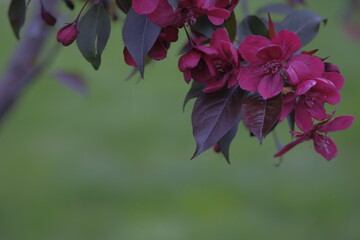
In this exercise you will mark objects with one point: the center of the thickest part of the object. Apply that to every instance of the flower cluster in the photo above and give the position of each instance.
(273, 66)
(261, 78)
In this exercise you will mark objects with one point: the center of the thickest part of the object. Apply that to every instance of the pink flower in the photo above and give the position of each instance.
(322, 143)
(312, 89)
(68, 34)
(161, 12)
(266, 59)
(216, 66)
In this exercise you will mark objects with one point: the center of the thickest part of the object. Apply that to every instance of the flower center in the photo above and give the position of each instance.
(311, 98)
(222, 66)
(188, 17)
(272, 67)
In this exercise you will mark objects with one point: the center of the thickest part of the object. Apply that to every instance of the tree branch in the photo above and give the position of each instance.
(23, 68)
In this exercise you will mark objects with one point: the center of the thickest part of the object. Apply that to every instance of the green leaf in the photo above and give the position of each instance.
(16, 14)
(94, 33)
(230, 26)
(251, 25)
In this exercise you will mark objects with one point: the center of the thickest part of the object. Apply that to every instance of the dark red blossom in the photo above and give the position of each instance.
(216, 65)
(67, 34)
(162, 13)
(312, 88)
(322, 143)
(266, 59)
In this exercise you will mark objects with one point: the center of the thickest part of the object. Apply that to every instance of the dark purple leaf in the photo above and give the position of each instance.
(304, 23)
(195, 90)
(124, 5)
(173, 3)
(204, 27)
(69, 4)
(291, 120)
(251, 25)
(139, 36)
(16, 14)
(94, 33)
(279, 8)
(225, 142)
(214, 114)
(260, 115)
(72, 80)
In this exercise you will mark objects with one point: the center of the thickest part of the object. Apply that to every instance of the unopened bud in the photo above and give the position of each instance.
(216, 148)
(47, 17)
(68, 34)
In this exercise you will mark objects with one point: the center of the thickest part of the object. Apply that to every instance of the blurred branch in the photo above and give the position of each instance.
(24, 68)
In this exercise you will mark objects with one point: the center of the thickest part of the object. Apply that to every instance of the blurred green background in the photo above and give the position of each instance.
(115, 164)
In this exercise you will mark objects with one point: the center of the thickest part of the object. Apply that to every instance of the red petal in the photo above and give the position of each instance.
(144, 6)
(289, 146)
(269, 53)
(302, 117)
(271, 85)
(289, 101)
(305, 86)
(189, 60)
(336, 78)
(250, 76)
(288, 41)
(325, 146)
(251, 45)
(338, 124)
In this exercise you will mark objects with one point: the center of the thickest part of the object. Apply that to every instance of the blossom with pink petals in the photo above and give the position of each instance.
(266, 59)
(162, 13)
(322, 143)
(217, 65)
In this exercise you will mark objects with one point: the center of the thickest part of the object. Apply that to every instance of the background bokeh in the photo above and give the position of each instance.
(115, 164)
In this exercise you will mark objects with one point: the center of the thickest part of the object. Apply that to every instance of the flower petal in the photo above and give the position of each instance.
(250, 76)
(302, 117)
(289, 102)
(325, 146)
(288, 41)
(338, 124)
(269, 53)
(336, 78)
(289, 146)
(251, 45)
(144, 6)
(271, 85)
(303, 87)
(189, 60)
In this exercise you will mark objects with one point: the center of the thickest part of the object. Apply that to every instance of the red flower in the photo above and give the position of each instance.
(322, 143)
(312, 88)
(68, 34)
(216, 66)
(266, 59)
(161, 12)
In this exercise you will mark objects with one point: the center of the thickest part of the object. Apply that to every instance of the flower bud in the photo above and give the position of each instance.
(68, 34)
(216, 148)
(48, 18)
